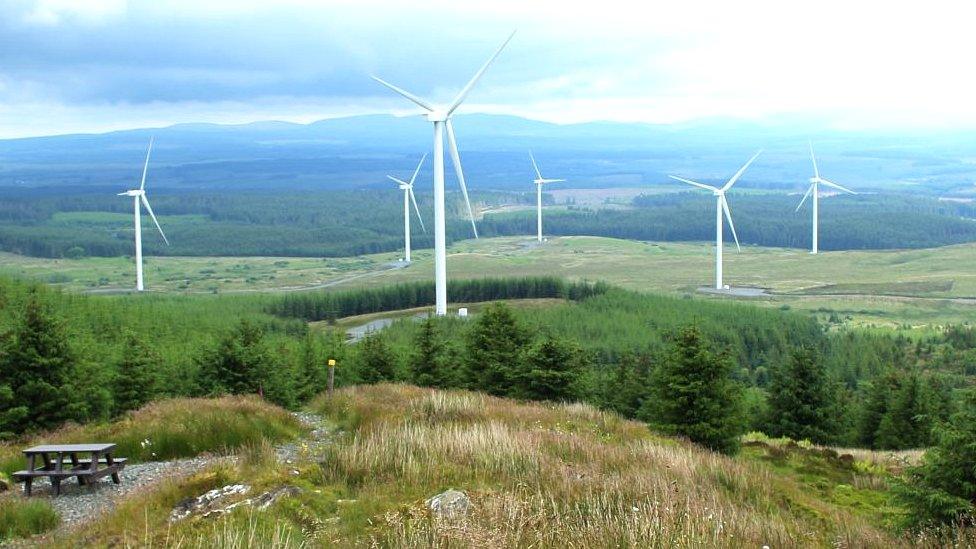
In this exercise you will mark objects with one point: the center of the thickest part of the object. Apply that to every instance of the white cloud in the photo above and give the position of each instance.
(854, 64)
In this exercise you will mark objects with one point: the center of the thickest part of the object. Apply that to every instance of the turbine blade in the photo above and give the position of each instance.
(553, 180)
(456, 160)
(145, 202)
(416, 209)
(415, 172)
(400, 181)
(690, 182)
(836, 186)
(804, 199)
(145, 167)
(741, 171)
(816, 171)
(477, 76)
(534, 165)
(404, 93)
(728, 215)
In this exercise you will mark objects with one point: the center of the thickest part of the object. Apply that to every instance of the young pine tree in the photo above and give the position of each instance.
(942, 490)
(136, 380)
(494, 348)
(630, 384)
(429, 366)
(376, 361)
(906, 423)
(800, 399)
(550, 371)
(313, 369)
(693, 395)
(241, 363)
(36, 370)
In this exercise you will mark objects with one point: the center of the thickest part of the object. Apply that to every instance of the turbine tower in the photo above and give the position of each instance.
(539, 182)
(139, 195)
(408, 197)
(814, 190)
(721, 205)
(440, 117)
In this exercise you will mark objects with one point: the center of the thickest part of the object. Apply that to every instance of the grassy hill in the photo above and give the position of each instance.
(915, 287)
(538, 475)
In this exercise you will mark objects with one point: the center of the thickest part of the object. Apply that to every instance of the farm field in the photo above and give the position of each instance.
(889, 288)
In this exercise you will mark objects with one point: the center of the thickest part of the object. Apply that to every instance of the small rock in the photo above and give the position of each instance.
(206, 501)
(449, 504)
(268, 498)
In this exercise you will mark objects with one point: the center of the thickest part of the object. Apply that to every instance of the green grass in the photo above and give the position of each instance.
(916, 288)
(22, 518)
(174, 428)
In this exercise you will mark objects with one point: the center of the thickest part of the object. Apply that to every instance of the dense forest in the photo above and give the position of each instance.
(846, 222)
(99, 355)
(345, 223)
(306, 224)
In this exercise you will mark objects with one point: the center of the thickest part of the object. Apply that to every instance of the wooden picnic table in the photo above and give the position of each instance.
(48, 460)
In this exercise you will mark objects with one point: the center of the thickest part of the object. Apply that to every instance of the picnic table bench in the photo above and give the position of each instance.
(48, 460)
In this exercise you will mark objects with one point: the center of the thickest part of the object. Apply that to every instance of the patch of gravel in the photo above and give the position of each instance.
(83, 502)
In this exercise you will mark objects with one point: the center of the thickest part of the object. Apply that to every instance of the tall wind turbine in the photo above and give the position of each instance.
(139, 195)
(539, 182)
(441, 118)
(408, 197)
(721, 205)
(814, 190)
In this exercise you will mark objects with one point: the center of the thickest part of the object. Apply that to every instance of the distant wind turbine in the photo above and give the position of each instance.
(441, 118)
(539, 182)
(139, 195)
(408, 197)
(721, 205)
(814, 190)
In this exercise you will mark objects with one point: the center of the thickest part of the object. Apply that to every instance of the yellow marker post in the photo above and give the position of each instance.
(332, 365)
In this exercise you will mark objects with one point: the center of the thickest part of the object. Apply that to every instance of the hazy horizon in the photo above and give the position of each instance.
(103, 65)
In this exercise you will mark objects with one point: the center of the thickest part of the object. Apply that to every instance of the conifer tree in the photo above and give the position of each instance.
(800, 399)
(136, 378)
(428, 365)
(495, 344)
(312, 369)
(375, 360)
(550, 371)
(630, 384)
(905, 423)
(241, 363)
(36, 371)
(942, 490)
(694, 396)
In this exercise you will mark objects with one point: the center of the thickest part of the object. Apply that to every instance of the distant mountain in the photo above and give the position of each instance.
(360, 151)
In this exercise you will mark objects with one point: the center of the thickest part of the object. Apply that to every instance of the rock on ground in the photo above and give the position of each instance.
(449, 504)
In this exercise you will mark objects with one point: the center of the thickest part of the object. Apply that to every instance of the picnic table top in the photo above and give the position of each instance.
(66, 448)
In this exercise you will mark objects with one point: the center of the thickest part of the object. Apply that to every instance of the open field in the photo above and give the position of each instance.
(901, 287)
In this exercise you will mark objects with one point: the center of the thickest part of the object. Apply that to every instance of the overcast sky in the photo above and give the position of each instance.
(97, 65)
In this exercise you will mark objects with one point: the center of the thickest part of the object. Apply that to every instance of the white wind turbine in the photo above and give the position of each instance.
(441, 118)
(814, 190)
(139, 195)
(408, 197)
(721, 205)
(539, 182)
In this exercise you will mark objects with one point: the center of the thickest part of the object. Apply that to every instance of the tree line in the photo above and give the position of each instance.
(329, 306)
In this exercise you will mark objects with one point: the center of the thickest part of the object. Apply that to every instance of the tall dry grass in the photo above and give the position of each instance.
(562, 476)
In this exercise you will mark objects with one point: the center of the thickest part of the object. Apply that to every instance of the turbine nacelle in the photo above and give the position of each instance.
(438, 116)
(134, 192)
(814, 180)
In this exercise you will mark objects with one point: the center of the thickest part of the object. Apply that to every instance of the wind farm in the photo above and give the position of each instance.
(300, 362)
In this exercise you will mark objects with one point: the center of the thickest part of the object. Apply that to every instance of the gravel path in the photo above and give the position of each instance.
(81, 502)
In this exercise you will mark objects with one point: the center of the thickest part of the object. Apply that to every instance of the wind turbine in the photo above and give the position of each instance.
(441, 118)
(814, 190)
(139, 195)
(721, 205)
(408, 196)
(539, 182)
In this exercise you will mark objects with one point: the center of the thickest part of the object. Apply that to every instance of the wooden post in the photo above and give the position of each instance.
(332, 364)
